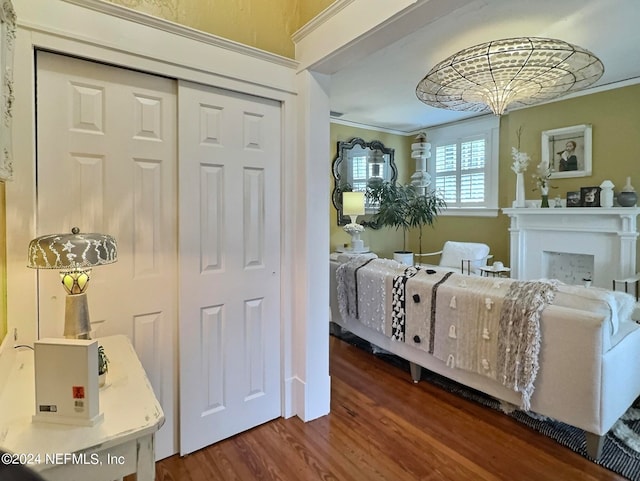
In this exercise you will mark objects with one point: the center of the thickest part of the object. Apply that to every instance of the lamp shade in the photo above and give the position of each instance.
(513, 72)
(72, 251)
(353, 203)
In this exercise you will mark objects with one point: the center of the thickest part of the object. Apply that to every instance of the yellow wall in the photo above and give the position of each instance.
(616, 147)
(311, 8)
(264, 24)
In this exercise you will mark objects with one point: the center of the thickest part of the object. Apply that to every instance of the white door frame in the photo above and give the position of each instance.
(107, 33)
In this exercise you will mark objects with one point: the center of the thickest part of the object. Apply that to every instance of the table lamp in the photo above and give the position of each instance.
(74, 255)
(353, 206)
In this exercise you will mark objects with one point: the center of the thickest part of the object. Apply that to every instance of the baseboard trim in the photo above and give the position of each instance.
(305, 403)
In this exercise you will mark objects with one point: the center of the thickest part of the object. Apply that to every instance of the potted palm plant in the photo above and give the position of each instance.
(423, 210)
(405, 207)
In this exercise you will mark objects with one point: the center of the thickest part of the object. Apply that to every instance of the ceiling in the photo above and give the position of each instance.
(375, 87)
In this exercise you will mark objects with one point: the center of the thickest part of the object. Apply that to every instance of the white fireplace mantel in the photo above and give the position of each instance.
(606, 237)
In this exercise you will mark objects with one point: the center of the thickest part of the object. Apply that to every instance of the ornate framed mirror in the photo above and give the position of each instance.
(7, 39)
(357, 165)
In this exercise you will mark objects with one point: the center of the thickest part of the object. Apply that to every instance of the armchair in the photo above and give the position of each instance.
(462, 256)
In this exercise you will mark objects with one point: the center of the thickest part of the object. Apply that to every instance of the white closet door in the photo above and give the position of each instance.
(229, 224)
(106, 153)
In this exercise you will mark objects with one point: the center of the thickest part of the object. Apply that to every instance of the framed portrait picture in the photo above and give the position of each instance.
(568, 151)
(573, 199)
(590, 196)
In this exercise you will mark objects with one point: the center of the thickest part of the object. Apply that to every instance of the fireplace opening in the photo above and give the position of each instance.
(567, 267)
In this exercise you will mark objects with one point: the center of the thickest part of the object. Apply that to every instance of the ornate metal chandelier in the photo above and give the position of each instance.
(512, 72)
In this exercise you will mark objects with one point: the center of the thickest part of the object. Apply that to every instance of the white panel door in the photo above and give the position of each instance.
(229, 226)
(106, 154)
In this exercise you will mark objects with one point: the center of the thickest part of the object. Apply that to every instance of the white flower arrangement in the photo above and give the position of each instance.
(542, 175)
(520, 160)
(353, 228)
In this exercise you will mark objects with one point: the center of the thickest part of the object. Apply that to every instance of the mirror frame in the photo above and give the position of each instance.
(343, 149)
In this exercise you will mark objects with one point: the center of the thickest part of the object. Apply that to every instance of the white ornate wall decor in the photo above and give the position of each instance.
(571, 243)
(7, 39)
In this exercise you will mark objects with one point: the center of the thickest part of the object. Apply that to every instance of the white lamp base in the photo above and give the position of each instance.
(357, 244)
(76, 317)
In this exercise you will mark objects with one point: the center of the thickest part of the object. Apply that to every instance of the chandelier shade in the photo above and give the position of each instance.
(513, 72)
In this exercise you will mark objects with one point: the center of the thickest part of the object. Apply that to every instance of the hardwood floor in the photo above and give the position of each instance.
(384, 427)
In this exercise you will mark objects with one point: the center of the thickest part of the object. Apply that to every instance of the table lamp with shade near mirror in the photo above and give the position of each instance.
(73, 255)
(353, 206)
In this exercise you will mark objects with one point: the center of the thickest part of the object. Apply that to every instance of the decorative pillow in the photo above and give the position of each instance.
(454, 252)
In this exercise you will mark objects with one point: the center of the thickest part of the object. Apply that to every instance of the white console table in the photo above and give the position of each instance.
(603, 238)
(119, 445)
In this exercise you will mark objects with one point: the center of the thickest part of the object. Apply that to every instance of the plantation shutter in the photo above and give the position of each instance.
(359, 173)
(460, 172)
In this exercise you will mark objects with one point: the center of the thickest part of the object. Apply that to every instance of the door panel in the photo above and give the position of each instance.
(107, 148)
(229, 263)
(107, 162)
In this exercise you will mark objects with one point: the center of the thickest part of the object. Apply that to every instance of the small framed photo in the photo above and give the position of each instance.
(590, 196)
(567, 151)
(573, 199)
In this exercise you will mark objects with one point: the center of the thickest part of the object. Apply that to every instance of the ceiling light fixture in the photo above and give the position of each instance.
(512, 72)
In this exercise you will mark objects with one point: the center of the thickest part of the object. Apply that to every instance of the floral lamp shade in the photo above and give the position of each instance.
(73, 255)
(72, 251)
(353, 205)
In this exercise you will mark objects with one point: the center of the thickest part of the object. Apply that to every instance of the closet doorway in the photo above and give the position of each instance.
(117, 153)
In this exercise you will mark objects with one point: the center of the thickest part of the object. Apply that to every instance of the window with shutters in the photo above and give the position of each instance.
(359, 173)
(464, 166)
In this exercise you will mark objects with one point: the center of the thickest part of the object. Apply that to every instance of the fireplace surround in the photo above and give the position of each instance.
(574, 244)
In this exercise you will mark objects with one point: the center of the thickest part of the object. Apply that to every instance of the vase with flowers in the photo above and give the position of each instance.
(542, 176)
(519, 166)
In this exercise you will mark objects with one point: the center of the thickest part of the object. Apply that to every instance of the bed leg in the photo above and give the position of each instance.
(594, 445)
(416, 371)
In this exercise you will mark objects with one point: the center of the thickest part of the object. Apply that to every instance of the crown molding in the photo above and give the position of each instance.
(145, 19)
(331, 11)
(367, 127)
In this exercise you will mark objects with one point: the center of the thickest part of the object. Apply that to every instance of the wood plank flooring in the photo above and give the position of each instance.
(384, 427)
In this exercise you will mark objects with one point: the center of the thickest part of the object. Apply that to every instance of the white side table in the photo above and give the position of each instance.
(122, 444)
(629, 281)
(490, 270)
(345, 255)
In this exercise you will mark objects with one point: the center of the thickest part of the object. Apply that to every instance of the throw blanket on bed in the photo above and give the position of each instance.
(399, 301)
(519, 341)
(482, 325)
(347, 284)
(362, 287)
